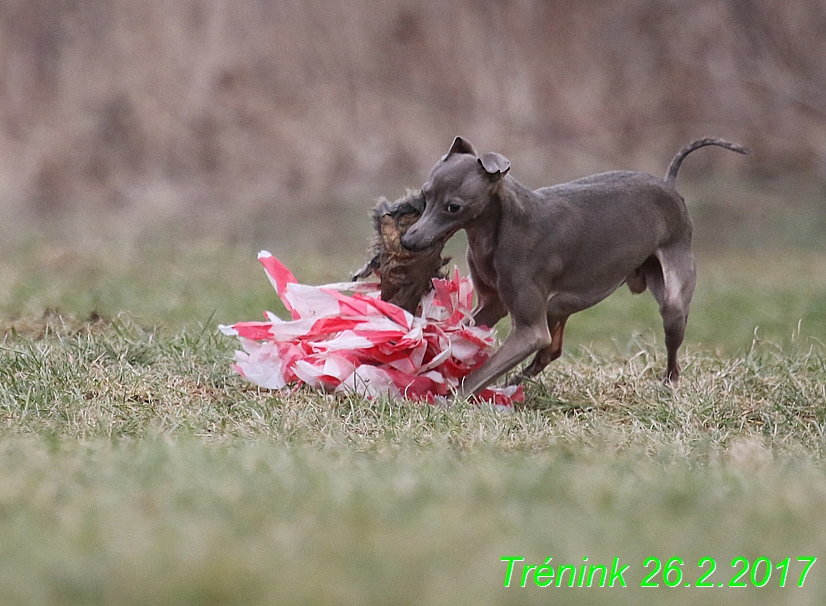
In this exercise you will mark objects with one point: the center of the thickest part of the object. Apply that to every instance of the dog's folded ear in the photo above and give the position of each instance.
(496, 165)
(461, 146)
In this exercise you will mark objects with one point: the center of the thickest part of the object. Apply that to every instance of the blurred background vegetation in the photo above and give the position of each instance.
(242, 119)
(149, 149)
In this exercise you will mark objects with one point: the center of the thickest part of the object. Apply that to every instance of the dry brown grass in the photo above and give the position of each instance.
(150, 109)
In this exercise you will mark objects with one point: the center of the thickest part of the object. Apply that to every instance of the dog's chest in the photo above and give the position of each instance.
(480, 258)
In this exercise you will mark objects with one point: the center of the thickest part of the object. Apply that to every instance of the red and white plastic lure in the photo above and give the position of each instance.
(357, 343)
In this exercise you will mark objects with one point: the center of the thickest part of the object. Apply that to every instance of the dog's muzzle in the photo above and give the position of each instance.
(413, 244)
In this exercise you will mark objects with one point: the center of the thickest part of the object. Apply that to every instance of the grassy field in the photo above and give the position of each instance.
(136, 468)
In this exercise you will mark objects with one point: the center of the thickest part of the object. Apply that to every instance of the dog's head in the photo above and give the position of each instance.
(460, 189)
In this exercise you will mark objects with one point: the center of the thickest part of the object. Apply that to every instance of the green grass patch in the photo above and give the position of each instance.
(136, 467)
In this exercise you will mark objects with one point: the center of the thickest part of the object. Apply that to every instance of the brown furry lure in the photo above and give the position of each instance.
(405, 275)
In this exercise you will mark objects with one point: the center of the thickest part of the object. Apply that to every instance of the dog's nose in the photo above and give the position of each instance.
(413, 241)
(407, 244)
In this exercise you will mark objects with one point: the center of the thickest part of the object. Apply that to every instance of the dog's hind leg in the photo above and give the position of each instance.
(546, 355)
(672, 284)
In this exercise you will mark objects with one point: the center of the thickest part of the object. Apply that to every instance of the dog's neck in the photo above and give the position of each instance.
(514, 196)
(510, 199)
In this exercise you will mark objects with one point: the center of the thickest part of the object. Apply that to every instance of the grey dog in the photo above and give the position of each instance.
(543, 255)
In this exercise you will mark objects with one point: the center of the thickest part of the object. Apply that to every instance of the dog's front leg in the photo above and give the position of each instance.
(489, 312)
(490, 308)
(523, 340)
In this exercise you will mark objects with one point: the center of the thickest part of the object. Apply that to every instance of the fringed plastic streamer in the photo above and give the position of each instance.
(343, 338)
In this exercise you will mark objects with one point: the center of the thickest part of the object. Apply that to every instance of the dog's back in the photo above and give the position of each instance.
(613, 208)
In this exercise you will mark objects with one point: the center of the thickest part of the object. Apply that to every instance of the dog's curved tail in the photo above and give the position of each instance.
(671, 176)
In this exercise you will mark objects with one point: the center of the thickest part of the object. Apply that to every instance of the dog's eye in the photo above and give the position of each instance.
(453, 208)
